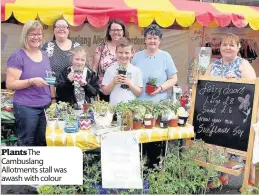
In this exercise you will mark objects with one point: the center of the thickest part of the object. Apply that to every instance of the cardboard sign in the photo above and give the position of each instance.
(120, 159)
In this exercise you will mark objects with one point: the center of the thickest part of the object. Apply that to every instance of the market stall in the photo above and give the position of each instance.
(142, 13)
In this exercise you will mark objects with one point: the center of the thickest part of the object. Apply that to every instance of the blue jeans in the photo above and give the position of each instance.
(30, 125)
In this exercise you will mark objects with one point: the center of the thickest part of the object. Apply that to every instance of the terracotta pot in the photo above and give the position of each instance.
(153, 122)
(150, 88)
(137, 124)
(173, 123)
(148, 123)
(158, 121)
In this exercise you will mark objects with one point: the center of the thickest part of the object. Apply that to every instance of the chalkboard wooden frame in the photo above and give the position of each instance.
(247, 154)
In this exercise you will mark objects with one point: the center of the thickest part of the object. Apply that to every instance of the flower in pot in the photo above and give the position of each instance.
(138, 116)
(103, 113)
(123, 70)
(151, 85)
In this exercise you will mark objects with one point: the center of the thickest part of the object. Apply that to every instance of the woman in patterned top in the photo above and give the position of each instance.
(231, 66)
(105, 52)
(59, 49)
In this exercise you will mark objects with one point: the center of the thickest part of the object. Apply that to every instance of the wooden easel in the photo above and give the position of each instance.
(246, 154)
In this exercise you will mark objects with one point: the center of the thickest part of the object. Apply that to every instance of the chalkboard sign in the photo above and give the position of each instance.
(222, 113)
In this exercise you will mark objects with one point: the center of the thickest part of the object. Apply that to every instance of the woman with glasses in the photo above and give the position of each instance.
(59, 49)
(26, 69)
(105, 52)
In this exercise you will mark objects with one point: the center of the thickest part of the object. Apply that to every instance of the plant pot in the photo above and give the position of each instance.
(86, 106)
(52, 124)
(77, 76)
(105, 120)
(158, 121)
(173, 122)
(123, 72)
(137, 124)
(85, 124)
(164, 124)
(61, 124)
(182, 121)
(148, 123)
(150, 88)
(153, 122)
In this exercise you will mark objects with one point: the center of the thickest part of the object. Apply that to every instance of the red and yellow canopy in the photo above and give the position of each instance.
(141, 12)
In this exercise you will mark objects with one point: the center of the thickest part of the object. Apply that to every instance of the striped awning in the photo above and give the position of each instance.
(141, 12)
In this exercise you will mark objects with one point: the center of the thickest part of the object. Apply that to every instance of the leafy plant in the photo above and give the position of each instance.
(51, 112)
(152, 81)
(101, 107)
(180, 174)
(149, 105)
(122, 68)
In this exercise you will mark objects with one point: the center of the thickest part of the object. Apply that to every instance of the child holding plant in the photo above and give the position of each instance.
(122, 81)
(77, 83)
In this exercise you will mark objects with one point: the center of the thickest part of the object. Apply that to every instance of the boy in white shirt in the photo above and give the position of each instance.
(114, 83)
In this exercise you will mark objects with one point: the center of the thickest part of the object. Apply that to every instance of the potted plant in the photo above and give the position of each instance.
(182, 116)
(124, 115)
(71, 124)
(138, 116)
(51, 114)
(149, 120)
(151, 85)
(103, 113)
(62, 112)
(123, 70)
(174, 105)
(84, 121)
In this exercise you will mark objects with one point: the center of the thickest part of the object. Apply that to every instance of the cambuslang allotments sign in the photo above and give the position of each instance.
(222, 113)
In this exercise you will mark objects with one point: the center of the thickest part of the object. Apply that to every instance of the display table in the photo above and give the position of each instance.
(86, 140)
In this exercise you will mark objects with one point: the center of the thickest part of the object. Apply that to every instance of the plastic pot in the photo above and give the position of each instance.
(150, 88)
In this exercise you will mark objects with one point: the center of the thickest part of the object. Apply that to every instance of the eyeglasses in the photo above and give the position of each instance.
(116, 30)
(34, 35)
(61, 27)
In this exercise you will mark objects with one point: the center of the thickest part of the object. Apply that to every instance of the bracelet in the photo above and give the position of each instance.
(53, 98)
(29, 82)
(161, 89)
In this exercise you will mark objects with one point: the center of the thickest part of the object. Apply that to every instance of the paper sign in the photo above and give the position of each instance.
(120, 161)
(204, 60)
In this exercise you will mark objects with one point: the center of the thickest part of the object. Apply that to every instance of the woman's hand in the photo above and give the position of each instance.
(158, 90)
(38, 82)
(70, 76)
